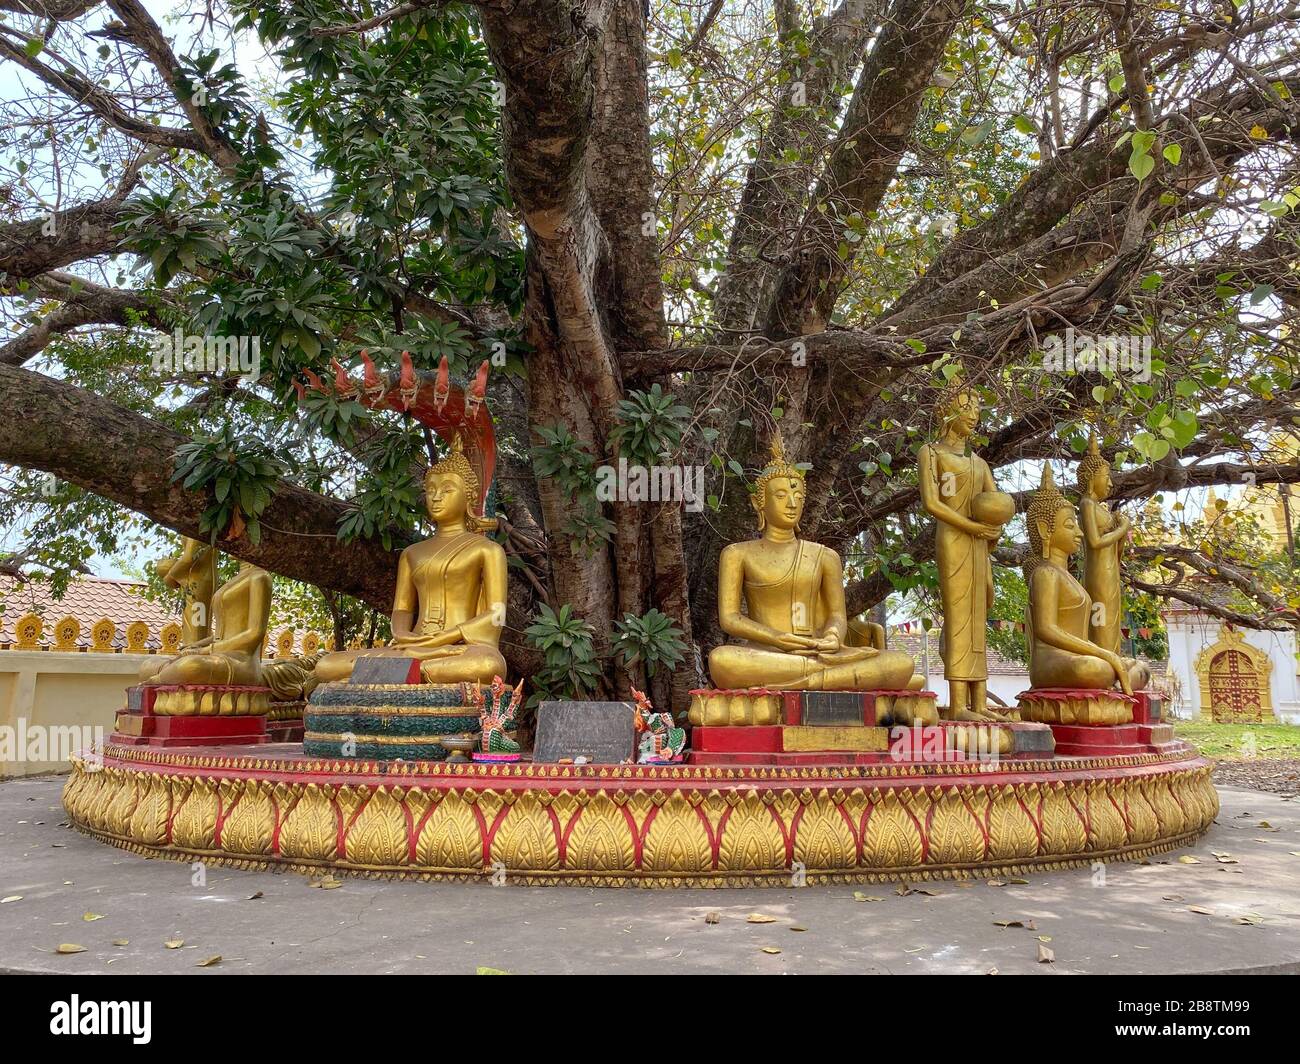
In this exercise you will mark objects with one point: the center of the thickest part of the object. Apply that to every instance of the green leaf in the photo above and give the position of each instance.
(1141, 165)
(1173, 154)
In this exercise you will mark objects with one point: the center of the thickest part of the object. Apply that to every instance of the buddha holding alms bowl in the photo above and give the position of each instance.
(449, 605)
(1065, 665)
(958, 491)
(794, 622)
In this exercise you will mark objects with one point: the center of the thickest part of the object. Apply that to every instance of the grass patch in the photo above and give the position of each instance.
(1232, 742)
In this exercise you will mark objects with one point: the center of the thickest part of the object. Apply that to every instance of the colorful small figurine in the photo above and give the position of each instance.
(497, 717)
(661, 743)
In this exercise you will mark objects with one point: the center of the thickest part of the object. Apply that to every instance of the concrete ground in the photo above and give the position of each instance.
(1237, 911)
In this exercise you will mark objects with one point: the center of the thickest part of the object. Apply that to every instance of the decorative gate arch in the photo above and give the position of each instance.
(1234, 678)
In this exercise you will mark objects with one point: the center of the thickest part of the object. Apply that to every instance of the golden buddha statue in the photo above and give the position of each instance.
(195, 571)
(958, 491)
(1104, 535)
(1061, 654)
(794, 626)
(449, 605)
(231, 655)
(864, 633)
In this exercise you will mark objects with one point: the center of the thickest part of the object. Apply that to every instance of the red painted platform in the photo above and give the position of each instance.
(149, 729)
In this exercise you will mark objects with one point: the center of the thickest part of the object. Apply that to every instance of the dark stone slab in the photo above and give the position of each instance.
(831, 709)
(602, 732)
(1028, 738)
(139, 699)
(376, 669)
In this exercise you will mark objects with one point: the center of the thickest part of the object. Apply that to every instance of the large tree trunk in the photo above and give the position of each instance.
(104, 448)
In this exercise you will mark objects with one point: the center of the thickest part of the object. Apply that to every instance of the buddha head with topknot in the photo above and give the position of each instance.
(1093, 474)
(958, 408)
(1052, 520)
(452, 491)
(779, 491)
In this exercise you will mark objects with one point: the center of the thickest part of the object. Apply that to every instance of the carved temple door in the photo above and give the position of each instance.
(1235, 688)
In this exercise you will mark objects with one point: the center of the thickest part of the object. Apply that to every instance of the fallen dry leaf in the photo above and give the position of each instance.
(70, 947)
(214, 959)
(859, 896)
(254, 897)
(121, 941)
(1045, 955)
(1044, 938)
(770, 949)
(1018, 882)
(1200, 909)
(1253, 919)
(174, 943)
(711, 918)
(90, 918)
(12, 897)
(760, 918)
(1171, 897)
(326, 882)
(991, 971)
(1008, 923)
(1189, 859)
(797, 928)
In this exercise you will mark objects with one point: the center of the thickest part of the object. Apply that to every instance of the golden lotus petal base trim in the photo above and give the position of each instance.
(199, 701)
(1052, 706)
(639, 825)
(718, 708)
(285, 710)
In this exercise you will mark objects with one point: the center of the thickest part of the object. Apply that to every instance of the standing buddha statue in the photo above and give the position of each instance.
(1104, 535)
(958, 491)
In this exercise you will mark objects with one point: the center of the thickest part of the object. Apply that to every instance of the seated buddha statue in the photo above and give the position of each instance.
(864, 633)
(449, 604)
(231, 655)
(794, 625)
(1061, 654)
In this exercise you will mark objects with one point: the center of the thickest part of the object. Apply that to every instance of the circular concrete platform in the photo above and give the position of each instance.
(637, 825)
